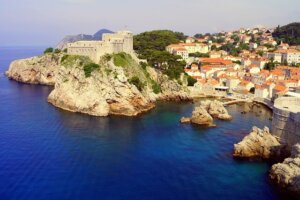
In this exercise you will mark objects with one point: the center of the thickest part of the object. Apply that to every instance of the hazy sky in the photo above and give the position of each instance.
(41, 22)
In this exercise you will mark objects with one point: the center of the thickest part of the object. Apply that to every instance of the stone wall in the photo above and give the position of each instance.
(286, 120)
(121, 41)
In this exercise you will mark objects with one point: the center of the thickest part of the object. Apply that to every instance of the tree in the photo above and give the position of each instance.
(198, 35)
(48, 50)
(270, 65)
(191, 81)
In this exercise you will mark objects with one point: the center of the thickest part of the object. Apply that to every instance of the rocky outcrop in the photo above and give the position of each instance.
(202, 117)
(107, 91)
(206, 111)
(216, 109)
(185, 120)
(258, 144)
(287, 174)
(35, 70)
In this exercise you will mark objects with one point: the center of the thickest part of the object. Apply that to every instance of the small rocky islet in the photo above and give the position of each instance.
(108, 89)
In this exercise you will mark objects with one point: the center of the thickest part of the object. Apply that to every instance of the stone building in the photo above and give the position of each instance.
(121, 41)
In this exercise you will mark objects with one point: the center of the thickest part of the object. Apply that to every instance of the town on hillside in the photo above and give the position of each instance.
(247, 63)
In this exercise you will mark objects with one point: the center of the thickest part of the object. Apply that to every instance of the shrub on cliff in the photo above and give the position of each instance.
(156, 87)
(137, 82)
(48, 50)
(89, 68)
(121, 59)
(191, 81)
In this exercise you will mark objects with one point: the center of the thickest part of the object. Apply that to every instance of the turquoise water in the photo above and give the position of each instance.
(47, 153)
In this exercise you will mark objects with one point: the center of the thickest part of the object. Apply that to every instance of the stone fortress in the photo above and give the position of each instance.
(121, 41)
(286, 120)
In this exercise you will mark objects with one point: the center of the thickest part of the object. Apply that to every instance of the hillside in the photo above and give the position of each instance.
(288, 34)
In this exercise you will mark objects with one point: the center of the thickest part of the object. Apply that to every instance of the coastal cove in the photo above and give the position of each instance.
(54, 154)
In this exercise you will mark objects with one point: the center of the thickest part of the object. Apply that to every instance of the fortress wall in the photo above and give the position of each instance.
(286, 122)
(121, 41)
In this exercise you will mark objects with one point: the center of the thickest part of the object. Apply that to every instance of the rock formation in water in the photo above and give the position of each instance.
(202, 117)
(206, 111)
(99, 90)
(216, 109)
(258, 144)
(287, 174)
(35, 70)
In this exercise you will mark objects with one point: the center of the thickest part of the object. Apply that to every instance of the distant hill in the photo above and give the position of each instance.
(288, 34)
(73, 38)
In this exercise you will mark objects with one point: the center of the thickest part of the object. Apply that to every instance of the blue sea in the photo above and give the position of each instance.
(47, 153)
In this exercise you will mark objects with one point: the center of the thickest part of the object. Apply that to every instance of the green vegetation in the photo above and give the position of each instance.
(198, 54)
(151, 46)
(137, 82)
(233, 49)
(156, 87)
(121, 59)
(48, 50)
(191, 81)
(270, 65)
(81, 61)
(288, 34)
(57, 51)
(89, 68)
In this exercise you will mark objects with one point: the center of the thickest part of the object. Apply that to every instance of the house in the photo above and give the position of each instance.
(181, 52)
(232, 83)
(261, 91)
(190, 40)
(253, 45)
(279, 90)
(291, 56)
(244, 86)
(253, 69)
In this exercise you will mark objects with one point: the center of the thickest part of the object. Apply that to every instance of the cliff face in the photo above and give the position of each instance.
(35, 70)
(287, 174)
(106, 91)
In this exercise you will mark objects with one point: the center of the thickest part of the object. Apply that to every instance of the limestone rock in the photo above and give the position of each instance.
(98, 95)
(258, 144)
(185, 120)
(216, 109)
(202, 117)
(171, 90)
(287, 174)
(35, 70)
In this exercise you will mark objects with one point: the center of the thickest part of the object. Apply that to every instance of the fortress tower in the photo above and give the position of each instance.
(121, 41)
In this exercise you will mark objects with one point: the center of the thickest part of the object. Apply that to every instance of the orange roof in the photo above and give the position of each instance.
(216, 60)
(280, 88)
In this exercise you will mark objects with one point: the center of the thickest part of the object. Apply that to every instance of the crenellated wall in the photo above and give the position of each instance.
(122, 41)
(286, 120)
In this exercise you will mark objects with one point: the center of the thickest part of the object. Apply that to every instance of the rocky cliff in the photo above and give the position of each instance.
(287, 174)
(258, 144)
(106, 90)
(35, 70)
(117, 85)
